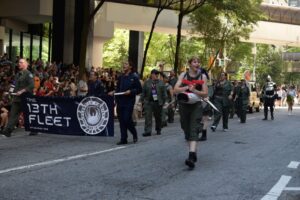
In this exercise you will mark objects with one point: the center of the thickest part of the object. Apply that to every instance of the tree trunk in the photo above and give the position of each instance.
(178, 40)
(88, 17)
(149, 40)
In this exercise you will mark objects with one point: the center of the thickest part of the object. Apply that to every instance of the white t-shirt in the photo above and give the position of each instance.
(82, 85)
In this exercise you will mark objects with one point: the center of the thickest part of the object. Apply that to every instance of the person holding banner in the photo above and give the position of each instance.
(191, 112)
(24, 84)
(128, 86)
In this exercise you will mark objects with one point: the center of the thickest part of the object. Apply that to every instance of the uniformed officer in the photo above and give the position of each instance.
(23, 84)
(243, 100)
(153, 96)
(129, 85)
(222, 97)
(269, 91)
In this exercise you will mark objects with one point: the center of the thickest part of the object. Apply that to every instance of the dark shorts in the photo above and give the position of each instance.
(206, 110)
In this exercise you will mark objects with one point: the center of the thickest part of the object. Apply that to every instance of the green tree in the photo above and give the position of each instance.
(161, 5)
(116, 49)
(184, 8)
(221, 24)
(269, 62)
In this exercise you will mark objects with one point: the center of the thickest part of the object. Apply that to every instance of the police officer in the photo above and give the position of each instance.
(128, 84)
(153, 96)
(269, 91)
(23, 84)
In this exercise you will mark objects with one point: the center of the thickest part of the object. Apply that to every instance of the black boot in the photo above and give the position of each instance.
(191, 160)
(266, 115)
(203, 137)
(272, 116)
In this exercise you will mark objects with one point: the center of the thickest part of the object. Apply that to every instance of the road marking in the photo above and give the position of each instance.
(293, 164)
(277, 189)
(51, 162)
(292, 188)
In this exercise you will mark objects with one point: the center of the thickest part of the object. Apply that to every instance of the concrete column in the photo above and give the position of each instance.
(68, 31)
(58, 30)
(103, 31)
(2, 37)
(140, 51)
(136, 46)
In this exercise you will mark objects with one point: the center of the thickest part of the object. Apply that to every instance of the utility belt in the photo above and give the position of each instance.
(269, 96)
(218, 97)
(152, 100)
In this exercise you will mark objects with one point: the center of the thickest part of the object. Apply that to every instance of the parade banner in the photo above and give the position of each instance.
(69, 115)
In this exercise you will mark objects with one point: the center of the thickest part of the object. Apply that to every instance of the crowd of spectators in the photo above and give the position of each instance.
(54, 79)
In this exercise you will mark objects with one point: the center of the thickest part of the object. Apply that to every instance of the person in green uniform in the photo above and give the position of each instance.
(23, 84)
(243, 100)
(168, 111)
(153, 97)
(221, 98)
(191, 113)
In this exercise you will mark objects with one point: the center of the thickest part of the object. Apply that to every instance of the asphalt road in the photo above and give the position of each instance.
(256, 160)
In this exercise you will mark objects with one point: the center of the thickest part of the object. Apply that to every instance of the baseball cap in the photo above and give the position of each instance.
(154, 71)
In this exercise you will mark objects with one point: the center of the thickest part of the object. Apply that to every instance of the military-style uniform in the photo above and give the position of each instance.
(191, 114)
(168, 111)
(153, 96)
(23, 80)
(243, 101)
(125, 104)
(222, 102)
(269, 98)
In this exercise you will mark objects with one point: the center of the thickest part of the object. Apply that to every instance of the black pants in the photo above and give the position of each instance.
(268, 102)
(126, 123)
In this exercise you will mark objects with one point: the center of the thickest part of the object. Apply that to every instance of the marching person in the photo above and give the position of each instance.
(23, 84)
(168, 112)
(291, 95)
(206, 109)
(269, 97)
(129, 84)
(243, 100)
(191, 114)
(172, 108)
(153, 97)
(222, 97)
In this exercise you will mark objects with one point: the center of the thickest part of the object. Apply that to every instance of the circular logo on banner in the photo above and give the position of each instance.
(93, 115)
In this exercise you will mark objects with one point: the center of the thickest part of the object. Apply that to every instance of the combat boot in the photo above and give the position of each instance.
(272, 116)
(190, 162)
(203, 137)
(266, 116)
